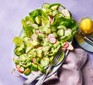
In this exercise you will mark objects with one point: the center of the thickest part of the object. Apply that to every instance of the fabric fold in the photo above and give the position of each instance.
(73, 71)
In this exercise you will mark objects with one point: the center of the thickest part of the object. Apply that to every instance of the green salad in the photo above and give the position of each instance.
(45, 31)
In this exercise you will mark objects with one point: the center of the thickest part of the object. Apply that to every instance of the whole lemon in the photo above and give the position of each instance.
(86, 25)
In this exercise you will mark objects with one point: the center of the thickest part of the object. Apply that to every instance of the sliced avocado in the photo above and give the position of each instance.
(27, 71)
(19, 50)
(34, 67)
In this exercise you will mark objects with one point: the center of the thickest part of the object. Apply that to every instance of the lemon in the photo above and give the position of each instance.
(86, 26)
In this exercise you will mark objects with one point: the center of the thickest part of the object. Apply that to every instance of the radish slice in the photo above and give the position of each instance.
(52, 40)
(70, 47)
(51, 36)
(66, 44)
(20, 69)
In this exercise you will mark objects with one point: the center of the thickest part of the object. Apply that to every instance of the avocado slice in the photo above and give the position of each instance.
(27, 71)
(34, 67)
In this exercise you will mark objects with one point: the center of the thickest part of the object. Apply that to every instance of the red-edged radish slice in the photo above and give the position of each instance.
(20, 69)
(70, 47)
(52, 40)
(66, 44)
(51, 36)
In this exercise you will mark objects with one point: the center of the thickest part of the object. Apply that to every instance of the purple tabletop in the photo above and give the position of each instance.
(11, 13)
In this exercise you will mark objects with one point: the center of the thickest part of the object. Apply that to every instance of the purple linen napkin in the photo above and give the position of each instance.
(76, 70)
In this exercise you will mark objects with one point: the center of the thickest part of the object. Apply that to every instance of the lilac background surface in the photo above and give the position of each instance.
(11, 13)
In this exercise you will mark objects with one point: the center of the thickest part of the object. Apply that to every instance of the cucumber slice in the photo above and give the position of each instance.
(34, 67)
(60, 8)
(68, 32)
(61, 32)
(27, 71)
(64, 11)
(54, 6)
(66, 38)
(45, 5)
(44, 61)
(23, 57)
(61, 27)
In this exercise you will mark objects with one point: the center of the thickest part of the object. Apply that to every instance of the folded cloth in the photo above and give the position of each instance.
(76, 70)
